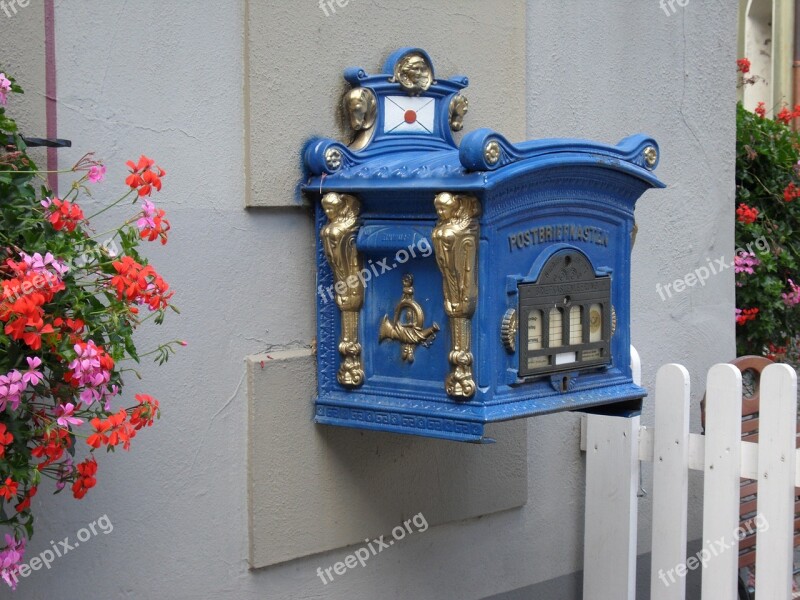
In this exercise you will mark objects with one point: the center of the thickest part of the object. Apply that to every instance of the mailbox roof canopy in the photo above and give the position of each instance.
(403, 119)
(466, 169)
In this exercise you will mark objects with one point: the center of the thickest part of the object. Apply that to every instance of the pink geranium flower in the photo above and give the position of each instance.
(96, 173)
(10, 558)
(33, 376)
(65, 470)
(148, 212)
(40, 264)
(5, 87)
(745, 262)
(793, 297)
(11, 388)
(87, 371)
(65, 415)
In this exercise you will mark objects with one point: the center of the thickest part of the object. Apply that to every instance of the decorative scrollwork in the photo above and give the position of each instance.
(492, 152)
(650, 155)
(333, 158)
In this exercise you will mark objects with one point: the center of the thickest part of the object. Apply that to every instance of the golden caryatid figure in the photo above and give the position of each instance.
(455, 240)
(339, 243)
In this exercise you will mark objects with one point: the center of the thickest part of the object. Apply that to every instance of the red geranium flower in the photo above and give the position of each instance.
(745, 315)
(24, 320)
(67, 215)
(112, 431)
(5, 439)
(791, 192)
(785, 116)
(140, 284)
(8, 489)
(776, 352)
(26, 501)
(155, 227)
(98, 438)
(743, 65)
(52, 445)
(21, 302)
(143, 415)
(746, 214)
(145, 175)
(86, 478)
(761, 110)
(121, 431)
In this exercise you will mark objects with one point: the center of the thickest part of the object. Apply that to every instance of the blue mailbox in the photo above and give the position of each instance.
(462, 285)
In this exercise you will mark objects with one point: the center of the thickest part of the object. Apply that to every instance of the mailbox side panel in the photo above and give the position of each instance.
(525, 222)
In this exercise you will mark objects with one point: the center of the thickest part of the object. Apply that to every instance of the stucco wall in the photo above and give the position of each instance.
(26, 63)
(166, 79)
(635, 68)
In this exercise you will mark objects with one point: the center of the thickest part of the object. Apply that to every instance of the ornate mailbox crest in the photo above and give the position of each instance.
(520, 251)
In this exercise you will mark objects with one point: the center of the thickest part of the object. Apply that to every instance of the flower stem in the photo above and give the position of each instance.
(101, 211)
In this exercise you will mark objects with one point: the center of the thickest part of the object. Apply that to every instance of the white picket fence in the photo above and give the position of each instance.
(614, 448)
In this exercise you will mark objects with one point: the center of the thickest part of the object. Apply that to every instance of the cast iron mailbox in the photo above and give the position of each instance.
(461, 285)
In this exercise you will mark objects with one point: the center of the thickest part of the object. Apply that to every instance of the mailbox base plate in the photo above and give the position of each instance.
(459, 422)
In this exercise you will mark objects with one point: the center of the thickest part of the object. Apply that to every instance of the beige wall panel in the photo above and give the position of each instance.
(314, 488)
(295, 55)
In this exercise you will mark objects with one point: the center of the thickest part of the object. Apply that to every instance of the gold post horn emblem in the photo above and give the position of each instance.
(410, 333)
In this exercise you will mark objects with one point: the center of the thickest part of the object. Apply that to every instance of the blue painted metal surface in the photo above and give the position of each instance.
(540, 198)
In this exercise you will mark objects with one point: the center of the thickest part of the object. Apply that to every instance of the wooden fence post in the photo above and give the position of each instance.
(670, 483)
(612, 479)
(720, 552)
(776, 482)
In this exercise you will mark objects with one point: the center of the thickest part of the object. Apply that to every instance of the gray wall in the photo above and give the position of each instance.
(166, 79)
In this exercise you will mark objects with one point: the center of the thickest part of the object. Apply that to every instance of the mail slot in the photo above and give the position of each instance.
(567, 325)
(463, 284)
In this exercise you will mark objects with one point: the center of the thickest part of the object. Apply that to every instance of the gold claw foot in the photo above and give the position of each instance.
(459, 382)
(351, 371)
